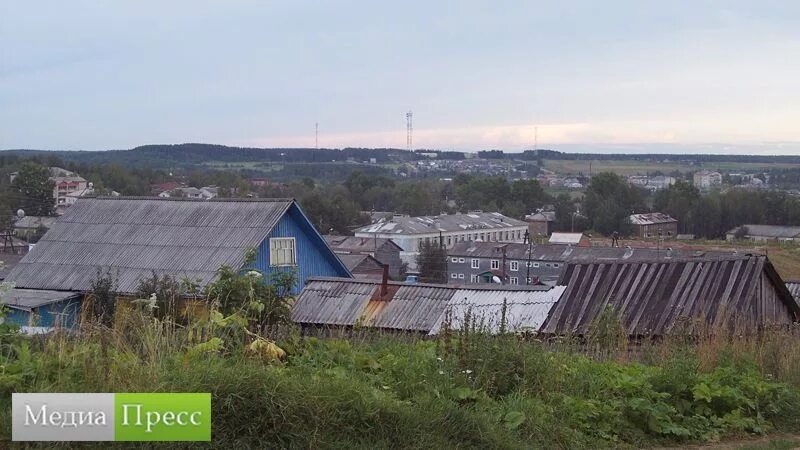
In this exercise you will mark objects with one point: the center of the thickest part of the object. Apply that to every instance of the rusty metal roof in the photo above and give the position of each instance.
(655, 297)
(413, 307)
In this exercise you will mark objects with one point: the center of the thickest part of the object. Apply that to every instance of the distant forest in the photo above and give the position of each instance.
(185, 155)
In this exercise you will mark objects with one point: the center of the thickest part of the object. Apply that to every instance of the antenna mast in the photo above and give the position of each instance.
(409, 130)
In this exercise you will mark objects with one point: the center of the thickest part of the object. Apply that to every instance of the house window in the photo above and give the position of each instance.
(282, 252)
(461, 260)
(495, 264)
(454, 260)
(453, 275)
(473, 278)
(475, 263)
(556, 265)
(514, 280)
(535, 264)
(461, 276)
(528, 280)
(514, 266)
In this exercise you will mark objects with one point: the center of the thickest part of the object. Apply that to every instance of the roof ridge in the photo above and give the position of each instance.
(184, 199)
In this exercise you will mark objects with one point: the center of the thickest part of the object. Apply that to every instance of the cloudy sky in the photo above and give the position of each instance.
(588, 75)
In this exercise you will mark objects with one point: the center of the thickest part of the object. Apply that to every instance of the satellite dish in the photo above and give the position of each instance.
(20, 213)
(495, 279)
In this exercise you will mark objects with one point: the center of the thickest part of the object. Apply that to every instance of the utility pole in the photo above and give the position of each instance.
(530, 249)
(503, 267)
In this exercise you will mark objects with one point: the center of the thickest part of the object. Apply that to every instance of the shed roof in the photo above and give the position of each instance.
(27, 299)
(405, 225)
(652, 298)
(419, 307)
(134, 236)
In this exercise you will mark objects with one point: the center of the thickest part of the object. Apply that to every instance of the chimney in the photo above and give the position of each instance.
(385, 281)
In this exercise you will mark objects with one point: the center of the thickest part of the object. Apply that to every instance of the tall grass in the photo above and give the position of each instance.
(465, 389)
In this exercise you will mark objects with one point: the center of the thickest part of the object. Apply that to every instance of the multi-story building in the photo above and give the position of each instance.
(65, 183)
(449, 229)
(706, 179)
(489, 262)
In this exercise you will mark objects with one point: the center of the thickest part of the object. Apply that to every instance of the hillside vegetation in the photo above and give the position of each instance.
(465, 390)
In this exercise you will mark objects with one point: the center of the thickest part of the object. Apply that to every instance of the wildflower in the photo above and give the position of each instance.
(441, 372)
(253, 273)
(466, 371)
(439, 358)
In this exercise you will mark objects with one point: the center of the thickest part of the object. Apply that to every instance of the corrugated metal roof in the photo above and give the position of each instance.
(332, 301)
(405, 225)
(525, 310)
(416, 307)
(27, 299)
(135, 236)
(652, 297)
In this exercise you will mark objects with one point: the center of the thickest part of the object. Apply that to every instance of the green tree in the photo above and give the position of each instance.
(32, 190)
(610, 201)
(679, 201)
(432, 262)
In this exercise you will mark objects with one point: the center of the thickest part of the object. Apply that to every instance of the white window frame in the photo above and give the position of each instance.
(278, 253)
(535, 264)
(513, 280)
(461, 276)
(556, 265)
(475, 263)
(453, 260)
(454, 275)
(514, 266)
(495, 264)
(473, 278)
(461, 260)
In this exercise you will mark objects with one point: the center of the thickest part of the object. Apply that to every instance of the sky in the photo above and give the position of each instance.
(632, 76)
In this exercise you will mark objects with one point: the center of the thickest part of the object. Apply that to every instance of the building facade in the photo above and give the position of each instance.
(382, 249)
(654, 225)
(517, 264)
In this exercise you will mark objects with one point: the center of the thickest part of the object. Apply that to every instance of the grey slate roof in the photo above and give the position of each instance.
(354, 260)
(27, 299)
(136, 236)
(7, 262)
(404, 225)
(358, 244)
(662, 297)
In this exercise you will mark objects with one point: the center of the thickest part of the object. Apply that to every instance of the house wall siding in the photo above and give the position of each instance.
(313, 257)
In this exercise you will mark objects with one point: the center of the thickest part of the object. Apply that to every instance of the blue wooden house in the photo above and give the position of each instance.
(41, 309)
(134, 237)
